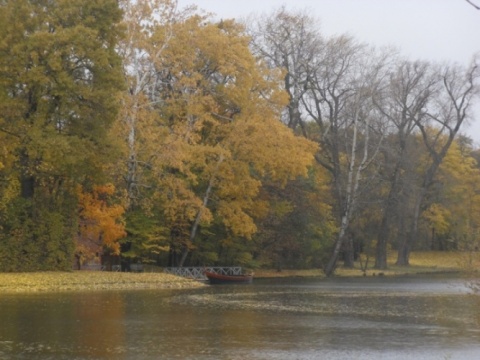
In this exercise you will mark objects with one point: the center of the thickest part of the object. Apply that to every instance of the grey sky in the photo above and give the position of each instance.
(436, 30)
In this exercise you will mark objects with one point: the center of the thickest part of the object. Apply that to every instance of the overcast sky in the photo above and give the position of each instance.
(436, 30)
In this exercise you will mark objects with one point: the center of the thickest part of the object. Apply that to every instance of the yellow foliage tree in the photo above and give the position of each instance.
(201, 126)
(221, 108)
(454, 212)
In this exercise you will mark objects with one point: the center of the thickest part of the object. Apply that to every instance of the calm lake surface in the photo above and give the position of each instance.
(364, 318)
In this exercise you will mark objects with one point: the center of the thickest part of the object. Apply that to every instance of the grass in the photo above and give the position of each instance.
(90, 280)
(420, 263)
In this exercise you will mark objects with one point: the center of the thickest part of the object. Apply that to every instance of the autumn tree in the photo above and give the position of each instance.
(350, 129)
(292, 42)
(148, 28)
(449, 221)
(59, 75)
(330, 82)
(410, 88)
(181, 123)
(297, 230)
(439, 125)
(100, 223)
(220, 107)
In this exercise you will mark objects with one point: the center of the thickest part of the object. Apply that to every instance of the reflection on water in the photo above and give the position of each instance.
(428, 318)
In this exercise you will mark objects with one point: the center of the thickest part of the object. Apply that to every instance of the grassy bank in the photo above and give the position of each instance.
(420, 263)
(90, 280)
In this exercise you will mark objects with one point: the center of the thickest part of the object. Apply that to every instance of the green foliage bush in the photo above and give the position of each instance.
(36, 238)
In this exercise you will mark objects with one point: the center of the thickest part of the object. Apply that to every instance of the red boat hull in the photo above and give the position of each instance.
(215, 278)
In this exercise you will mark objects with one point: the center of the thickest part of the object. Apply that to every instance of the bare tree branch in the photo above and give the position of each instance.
(474, 5)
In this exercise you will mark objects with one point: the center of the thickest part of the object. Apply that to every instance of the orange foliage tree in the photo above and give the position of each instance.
(101, 226)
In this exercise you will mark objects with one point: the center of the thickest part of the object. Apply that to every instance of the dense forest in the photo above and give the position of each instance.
(138, 130)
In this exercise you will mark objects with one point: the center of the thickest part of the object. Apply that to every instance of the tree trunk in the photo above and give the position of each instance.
(185, 253)
(27, 184)
(389, 210)
(408, 240)
(332, 263)
(349, 255)
(381, 251)
(27, 180)
(403, 256)
(196, 223)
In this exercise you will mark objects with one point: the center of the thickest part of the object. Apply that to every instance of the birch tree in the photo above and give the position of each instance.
(142, 51)
(350, 129)
(329, 85)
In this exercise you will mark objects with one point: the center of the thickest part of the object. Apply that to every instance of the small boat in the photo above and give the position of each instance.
(215, 278)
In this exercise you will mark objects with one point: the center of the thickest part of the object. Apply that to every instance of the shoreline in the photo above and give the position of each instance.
(421, 263)
(78, 281)
(353, 273)
(90, 281)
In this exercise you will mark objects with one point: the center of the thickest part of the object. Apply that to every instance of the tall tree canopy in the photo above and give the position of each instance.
(59, 76)
(217, 111)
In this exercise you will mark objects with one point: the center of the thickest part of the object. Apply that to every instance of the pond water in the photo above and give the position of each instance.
(365, 318)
